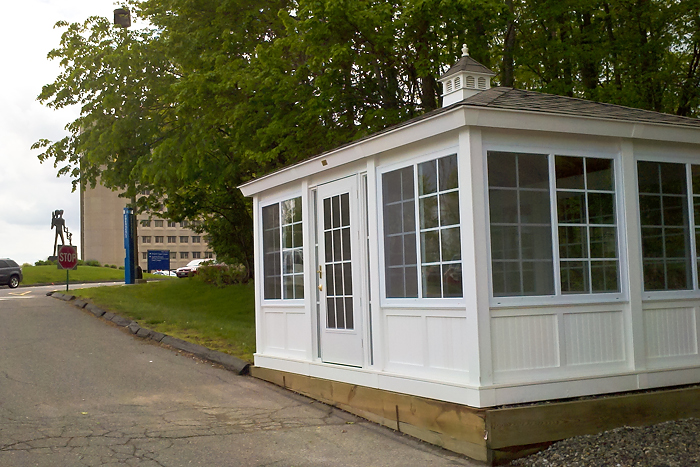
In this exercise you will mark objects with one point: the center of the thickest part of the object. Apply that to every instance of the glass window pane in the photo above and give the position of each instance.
(395, 249)
(339, 313)
(449, 208)
(536, 242)
(534, 207)
(599, 174)
(538, 278)
(502, 169)
(452, 279)
(327, 213)
(347, 278)
(346, 244)
(503, 206)
(427, 178)
(298, 238)
(409, 249)
(337, 246)
(328, 240)
(391, 187)
(574, 276)
(678, 275)
(504, 242)
(674, 208)
(411, 281)
(506, 279)
(650, 209)
(409, 216)
(394, 283)
(603, 242)
(393, 216)
(652, 242)
(451, 248)
(604, 276)
(648, 177)
(432, 281)
(287, 241)
(428, 212)
(673, 178)
(288, 282)
(299, 286)
(533, 171)
(345, 209)
(571, 207)
(288, 262)
(335, 211)
(349, 318)
(569, 172)
(430, 246)
(601, 208)
(330, 280)
(676, 243)
(448, 172)
(330, 313)
(573, 242)
(338, 278)
(654, 275)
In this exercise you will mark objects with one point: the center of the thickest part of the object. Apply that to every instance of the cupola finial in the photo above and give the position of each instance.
(465, 50)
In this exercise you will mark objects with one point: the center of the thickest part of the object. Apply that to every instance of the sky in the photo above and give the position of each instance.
(30, 190)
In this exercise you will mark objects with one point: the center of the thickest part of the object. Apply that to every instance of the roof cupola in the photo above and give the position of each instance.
(466, 78)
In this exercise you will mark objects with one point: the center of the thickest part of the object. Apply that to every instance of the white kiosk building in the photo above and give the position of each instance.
(510, 247)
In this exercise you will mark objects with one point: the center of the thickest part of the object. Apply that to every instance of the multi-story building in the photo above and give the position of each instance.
(102, 232)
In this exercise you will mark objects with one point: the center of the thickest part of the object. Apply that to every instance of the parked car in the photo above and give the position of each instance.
(10, 273)
(191, 268)
(164, 272)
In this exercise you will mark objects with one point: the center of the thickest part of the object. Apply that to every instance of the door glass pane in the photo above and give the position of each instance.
(338, 266)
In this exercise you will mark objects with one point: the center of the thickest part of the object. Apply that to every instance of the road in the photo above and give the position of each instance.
(78, 391)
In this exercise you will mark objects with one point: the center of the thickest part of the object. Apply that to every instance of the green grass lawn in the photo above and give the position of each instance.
(53, 275)
(222, 319)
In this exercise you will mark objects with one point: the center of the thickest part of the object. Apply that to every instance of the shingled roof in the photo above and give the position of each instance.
(531, 101)
(468, 64)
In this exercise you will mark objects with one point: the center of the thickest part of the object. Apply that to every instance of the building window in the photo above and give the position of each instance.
(196, 254)
(184, 255)
(523, 258)
(207, 238)
(665, 223)
(171, 224)
(172, 239)
(159, 239)
(208, 254)
(196, 239)
(146, 239)
(184, 224)
(184, 239)
(158, 223)
(283, 250)
(423, 227)
(144, 255)
(173, 255)
(145, 223)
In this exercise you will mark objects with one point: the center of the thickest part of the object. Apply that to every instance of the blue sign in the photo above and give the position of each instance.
(158, 260)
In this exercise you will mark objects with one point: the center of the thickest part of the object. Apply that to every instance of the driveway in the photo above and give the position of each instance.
(75, 390)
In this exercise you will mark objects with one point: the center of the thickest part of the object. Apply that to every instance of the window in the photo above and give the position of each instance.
(144, 255)
(184, 255)
(283, 250)
(524, 260)
(207, 238)
(172, 239)
(423, 227)
(159, 239)
(665, 224)
(145, 223)
(184, 239)
(171, 224)
(184, 224)
(208, 254)
(158, 223)
(173, 255)
(196, 239)
(146, 239)
(196, 254)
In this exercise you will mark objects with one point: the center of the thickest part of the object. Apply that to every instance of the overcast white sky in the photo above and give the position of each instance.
(30, 191)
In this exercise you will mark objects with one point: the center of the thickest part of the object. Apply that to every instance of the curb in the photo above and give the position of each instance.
(229, 362)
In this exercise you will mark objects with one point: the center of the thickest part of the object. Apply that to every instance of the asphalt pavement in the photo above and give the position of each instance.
(76, 390)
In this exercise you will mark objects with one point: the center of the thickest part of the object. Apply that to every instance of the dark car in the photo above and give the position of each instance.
(10, 273)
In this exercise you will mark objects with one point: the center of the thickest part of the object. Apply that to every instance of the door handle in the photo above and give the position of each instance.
(320, 272)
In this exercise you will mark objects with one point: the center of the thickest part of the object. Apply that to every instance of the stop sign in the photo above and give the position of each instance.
(67, 257)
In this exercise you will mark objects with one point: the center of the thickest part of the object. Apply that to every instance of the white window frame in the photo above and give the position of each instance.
(419, 302)
(263, 203)
(558, 298)
(681, 294)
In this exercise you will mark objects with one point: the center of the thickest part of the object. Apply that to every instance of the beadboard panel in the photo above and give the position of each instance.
(594, 338)
(670, 332)
(447, 347)
(405, 340)
(524, 342)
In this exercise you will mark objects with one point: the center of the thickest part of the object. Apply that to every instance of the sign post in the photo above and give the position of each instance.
(129, 241)
(67, 259)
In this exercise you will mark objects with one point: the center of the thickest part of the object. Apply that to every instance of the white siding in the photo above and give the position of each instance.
(405, 340)
(447, 347)
(670, 332)
(524, 342)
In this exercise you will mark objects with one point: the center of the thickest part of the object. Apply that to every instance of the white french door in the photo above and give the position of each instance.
(339, 272)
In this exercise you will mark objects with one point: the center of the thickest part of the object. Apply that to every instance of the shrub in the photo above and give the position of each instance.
(24, 265)
(92, 262)
(45, 263)
(113, 266)
(222, 275)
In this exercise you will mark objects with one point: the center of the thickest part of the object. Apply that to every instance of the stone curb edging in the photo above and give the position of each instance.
(229, 362)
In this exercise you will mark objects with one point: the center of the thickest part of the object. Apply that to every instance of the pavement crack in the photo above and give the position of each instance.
(7, 376)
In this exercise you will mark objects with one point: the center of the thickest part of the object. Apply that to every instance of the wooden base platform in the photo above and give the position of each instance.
(494, 435)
